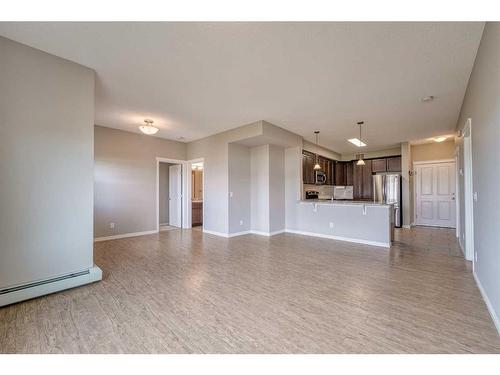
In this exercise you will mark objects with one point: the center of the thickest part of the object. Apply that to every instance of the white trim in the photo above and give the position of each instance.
(94, 274)
(256, 232)
(239, 233)
(220, 234)
(408, 226)
(125, 235)
(468, 194)
(183, 166)
(189, 192)
(338, 238)
(434, 161)
(491, 310)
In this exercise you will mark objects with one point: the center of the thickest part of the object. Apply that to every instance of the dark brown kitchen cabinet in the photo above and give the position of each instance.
(394, 164)
(308, 161)
(362, 180)
(379, 165)
(340, 173)
(348, 174)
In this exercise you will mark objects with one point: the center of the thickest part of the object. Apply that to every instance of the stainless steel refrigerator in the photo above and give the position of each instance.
(387, 189)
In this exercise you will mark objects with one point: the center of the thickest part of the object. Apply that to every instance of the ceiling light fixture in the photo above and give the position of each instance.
(427, 99)
(148, 129)
(361, 144)
(357, 142)
(317, 167)
(439, 139)
(360, 159)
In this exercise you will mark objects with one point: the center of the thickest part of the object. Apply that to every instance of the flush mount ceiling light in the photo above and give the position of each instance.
(439, 139)
(317, 167)
(148, 129)
(427, 99)
(357, 141)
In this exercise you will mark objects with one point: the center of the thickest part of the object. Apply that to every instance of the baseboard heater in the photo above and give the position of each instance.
(56, 284)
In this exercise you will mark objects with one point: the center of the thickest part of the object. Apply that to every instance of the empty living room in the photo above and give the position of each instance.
(189, 182)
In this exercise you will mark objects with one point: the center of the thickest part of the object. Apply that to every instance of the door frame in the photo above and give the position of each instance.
(157, 200)
(415, 180)
(468, 193)
(189, 193)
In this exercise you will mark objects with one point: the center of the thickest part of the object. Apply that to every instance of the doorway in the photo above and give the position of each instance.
(169, 194)
(197, 194)
(435, 193)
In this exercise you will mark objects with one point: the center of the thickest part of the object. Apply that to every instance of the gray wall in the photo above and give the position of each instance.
(239, 186)
(163, 192)
(482, 105)
(46, 160)
(125, 179)
(259, 167)
(276, 188)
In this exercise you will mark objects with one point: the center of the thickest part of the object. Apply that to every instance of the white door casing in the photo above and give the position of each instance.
(175, 195)
(435, 194)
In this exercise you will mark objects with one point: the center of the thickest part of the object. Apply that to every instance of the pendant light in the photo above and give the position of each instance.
(317, 167)
(148, 129)
(360, 156)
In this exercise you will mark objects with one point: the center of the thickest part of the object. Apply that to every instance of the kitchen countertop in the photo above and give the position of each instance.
(345, 202)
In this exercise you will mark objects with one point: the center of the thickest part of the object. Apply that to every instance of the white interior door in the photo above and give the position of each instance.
(435, 195)
(175, 195)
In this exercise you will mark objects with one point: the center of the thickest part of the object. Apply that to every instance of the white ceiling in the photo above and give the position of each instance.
(197, 79)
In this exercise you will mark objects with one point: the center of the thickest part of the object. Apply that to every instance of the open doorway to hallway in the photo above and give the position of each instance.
(197, 194)
(169, 201)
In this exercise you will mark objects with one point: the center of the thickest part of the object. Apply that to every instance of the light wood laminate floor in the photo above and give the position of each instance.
(183, 291)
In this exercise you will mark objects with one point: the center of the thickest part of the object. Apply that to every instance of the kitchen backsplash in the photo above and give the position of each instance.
(324, 190)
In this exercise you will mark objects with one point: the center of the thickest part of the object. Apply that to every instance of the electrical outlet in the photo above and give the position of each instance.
(241, 222)
(230, 194)
(475, 196)
(331, 225)
(112, 225)
(475, 256)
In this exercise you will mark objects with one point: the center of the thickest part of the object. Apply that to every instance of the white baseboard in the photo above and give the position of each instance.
(407, 226)
(491, 310)
(38, 289)
(125, 235)
(230, 235)
(238, 233)
(220, 234)
(338, 238)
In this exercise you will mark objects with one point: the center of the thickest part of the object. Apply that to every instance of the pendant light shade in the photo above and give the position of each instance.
(317, 167)
(360, 162)
(148, 129)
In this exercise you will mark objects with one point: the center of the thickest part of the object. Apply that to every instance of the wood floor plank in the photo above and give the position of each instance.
(183, 291)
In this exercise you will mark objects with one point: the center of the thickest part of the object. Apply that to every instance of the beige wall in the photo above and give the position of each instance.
(482, 105)
(125, 179)
(433, 151)
(46, 161)
(323, 151)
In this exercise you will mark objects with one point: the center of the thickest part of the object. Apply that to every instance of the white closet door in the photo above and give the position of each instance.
(435, 194)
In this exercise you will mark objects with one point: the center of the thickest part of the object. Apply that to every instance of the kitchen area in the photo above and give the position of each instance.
(356, 200)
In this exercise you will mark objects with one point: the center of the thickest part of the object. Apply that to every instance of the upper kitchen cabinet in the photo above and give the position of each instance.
(308, 161)
(343, 173)
(394, 164)
(362, 180)
(379, 165)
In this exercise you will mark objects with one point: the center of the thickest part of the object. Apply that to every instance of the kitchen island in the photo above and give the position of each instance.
(363, 222)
